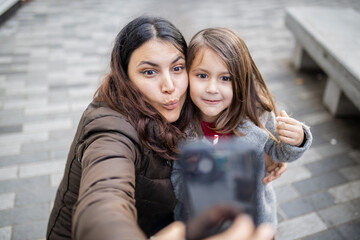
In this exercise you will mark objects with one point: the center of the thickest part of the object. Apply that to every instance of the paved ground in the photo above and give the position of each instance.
(54, 53)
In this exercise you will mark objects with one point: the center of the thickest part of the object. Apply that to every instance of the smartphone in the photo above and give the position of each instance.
(225, 173)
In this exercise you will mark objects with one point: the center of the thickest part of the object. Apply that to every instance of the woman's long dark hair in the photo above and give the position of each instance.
(154, 131)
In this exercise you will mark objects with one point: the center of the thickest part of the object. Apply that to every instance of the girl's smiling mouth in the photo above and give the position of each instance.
(209, 101)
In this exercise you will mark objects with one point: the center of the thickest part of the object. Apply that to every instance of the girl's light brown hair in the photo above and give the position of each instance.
(251, 96)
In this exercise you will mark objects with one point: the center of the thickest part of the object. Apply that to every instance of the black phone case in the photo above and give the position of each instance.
(226, 173)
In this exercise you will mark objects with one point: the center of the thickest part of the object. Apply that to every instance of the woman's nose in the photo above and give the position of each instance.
(212, 86)
(167, 85)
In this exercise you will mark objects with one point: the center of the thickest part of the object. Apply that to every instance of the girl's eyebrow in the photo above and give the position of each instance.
(224, 73)
(204, 70)
(200, 69)
(157, 65)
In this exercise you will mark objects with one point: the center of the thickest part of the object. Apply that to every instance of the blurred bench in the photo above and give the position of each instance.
(330, 39)
(8, 8)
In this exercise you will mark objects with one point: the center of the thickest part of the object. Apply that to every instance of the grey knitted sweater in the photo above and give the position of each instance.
(258, 137)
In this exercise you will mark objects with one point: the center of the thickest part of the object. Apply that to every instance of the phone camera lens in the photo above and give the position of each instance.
(205, 166)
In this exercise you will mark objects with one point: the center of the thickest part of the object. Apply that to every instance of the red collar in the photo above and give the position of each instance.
(209, 133)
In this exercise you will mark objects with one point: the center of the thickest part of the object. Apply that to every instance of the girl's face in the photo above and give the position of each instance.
(157, 68)
(210, 84)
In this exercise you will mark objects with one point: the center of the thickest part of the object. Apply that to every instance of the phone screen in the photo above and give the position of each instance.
(223, 173)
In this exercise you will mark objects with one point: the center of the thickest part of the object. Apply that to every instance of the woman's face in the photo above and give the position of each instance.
(210, 84)
(157, 68)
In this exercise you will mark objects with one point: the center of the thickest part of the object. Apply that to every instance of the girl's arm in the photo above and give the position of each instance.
(286, 150)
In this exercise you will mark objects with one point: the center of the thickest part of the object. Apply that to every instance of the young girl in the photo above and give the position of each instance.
(232, 99)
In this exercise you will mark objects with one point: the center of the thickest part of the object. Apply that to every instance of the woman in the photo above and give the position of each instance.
(117, 177)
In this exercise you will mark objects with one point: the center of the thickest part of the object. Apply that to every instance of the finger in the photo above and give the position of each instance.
(289, 134)
(271, 177)
(265, 180)
(284, 114)
(241, 228)
(244, 227)
(287, 140)
(297, 132)
(277, 173)
(293, 135)
(270, 167)
(176, 228)
(264, 232)
(270, 172)
(288, 120)
(295, 138)
(282, 168)
(291, 127)
(210, 220)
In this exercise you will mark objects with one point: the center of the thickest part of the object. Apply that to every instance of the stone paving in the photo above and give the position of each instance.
(53, 54)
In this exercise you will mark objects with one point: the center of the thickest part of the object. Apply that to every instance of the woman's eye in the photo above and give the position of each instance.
(178, 69)
(202, 75)
(149, 72)
(225, 78)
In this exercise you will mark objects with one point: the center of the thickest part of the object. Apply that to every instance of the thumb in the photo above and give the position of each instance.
(284, 114)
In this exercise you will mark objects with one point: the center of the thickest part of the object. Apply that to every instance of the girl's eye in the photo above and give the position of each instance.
(148, 72)
(178, 69)
(202, 75)
(225, 78)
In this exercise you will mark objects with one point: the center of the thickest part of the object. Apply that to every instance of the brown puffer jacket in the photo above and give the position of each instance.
(112, 188)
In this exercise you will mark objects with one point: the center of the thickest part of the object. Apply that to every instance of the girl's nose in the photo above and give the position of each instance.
(212, 86)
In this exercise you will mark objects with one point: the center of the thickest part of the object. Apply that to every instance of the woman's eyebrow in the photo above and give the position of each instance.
(148, 63)
(157, 65)
(177, 59)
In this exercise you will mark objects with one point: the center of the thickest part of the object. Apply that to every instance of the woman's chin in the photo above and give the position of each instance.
(171, 117)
